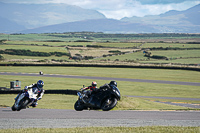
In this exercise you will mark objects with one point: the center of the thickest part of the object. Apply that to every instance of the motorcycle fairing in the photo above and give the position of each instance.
(98, 98)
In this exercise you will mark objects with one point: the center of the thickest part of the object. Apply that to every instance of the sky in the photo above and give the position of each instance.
(118, 9)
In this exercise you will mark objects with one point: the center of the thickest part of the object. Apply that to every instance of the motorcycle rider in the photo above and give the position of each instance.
(108, 85)
(93, 88)
(37, 88)
(113, 83)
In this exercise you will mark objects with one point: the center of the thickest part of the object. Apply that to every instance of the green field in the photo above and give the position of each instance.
(134, 73)
(99, 37)
(153, 129)
(127, 54)
(174, 56)
(89, 47)
(170, 45)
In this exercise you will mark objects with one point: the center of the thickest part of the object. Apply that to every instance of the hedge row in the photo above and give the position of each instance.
(24, 52)
(153, 66)
(171, 48)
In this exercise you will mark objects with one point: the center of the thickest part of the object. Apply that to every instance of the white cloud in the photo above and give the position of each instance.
(139, 10)
(123, 8)
(151, 2)
(118, 9)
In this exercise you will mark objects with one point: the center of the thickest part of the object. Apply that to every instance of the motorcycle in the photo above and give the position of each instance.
(105, 99)
(24, 99)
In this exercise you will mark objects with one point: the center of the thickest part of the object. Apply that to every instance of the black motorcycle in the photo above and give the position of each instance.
(105, 99)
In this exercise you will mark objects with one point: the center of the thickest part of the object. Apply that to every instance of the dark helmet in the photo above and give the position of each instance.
(113, 83)
(94, 84)
(40, 84)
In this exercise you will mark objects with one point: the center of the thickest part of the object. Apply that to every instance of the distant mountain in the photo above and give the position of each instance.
(95, 25)
(37, 15)
(193, 15)
(175, 21)
(8, 26)
(51, 18)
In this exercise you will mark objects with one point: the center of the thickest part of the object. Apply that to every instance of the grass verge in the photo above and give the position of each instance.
(152, 129)
(67, 102)
(126, 88)
(134, 73)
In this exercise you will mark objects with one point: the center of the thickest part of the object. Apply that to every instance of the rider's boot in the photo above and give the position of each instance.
(34, 104)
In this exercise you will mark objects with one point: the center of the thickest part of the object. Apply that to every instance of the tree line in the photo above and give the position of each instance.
(108, 35)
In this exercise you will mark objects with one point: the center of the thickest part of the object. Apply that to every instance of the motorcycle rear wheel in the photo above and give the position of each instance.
(109, 104)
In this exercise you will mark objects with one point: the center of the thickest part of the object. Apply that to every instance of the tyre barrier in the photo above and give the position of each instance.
(67, 92)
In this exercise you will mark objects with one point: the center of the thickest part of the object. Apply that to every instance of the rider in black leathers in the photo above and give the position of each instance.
(105, 86)
(108, 85)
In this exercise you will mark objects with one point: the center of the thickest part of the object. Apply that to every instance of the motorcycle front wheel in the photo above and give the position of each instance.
(78, 106)
(22, 104)
(109, 104)
(13, 108)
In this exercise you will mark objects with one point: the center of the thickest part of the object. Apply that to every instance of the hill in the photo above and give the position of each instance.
(8, 26)
(95, 25)
(51, 18)
(169, 22)
(38, 15)
(186, 21)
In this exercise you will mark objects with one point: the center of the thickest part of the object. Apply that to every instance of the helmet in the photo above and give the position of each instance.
(113, 83)
(94, 84)
(40, 84)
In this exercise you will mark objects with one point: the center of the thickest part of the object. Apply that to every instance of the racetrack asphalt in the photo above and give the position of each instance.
(61, 118)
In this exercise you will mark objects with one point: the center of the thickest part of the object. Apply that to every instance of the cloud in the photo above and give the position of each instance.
(163, 1)
(101, 2)
(140, 9)
(118, 9)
